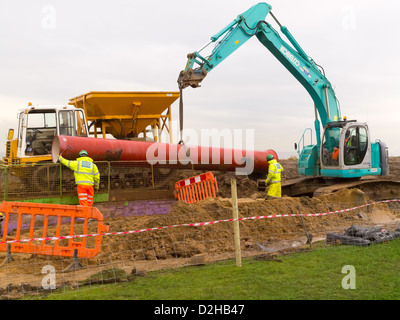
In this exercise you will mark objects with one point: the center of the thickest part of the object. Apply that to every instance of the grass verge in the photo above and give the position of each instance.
(313, 275)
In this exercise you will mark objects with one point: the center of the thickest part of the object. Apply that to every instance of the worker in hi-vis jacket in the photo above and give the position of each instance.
(87, 177)
(274, 177)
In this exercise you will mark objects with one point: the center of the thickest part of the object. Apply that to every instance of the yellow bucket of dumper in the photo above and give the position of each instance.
(127, 115)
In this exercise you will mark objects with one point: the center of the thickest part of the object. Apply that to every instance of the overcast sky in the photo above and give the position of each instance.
(53, 50)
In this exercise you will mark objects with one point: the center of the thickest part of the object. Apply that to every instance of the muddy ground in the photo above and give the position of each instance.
(167, 248)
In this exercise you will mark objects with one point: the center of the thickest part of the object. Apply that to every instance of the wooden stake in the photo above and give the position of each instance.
(236, 230)
(308, 235)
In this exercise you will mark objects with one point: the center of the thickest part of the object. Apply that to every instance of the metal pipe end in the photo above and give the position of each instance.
(55, 149)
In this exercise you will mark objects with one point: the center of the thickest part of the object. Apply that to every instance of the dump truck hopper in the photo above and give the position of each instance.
(127, 115)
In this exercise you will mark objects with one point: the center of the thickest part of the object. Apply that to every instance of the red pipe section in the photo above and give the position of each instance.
(156, 153)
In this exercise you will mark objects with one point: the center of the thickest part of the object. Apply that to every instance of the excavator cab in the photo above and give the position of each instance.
(347, 152)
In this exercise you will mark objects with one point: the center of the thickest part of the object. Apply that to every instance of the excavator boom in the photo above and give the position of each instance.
(362, 158)
(292, 56)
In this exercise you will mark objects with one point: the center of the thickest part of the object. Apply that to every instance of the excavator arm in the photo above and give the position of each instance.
(292, 56)
(333, 157)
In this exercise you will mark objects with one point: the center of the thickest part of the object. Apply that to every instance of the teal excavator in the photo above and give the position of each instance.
(345, 149)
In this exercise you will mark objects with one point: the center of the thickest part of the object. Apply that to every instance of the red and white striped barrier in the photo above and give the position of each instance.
(199, 224)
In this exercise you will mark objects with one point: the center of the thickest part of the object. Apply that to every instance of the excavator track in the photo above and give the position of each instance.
(375, 188)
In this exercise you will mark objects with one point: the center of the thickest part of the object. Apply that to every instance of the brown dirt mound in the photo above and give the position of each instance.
(188, 241)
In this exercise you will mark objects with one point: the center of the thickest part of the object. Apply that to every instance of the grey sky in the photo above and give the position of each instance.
(53, 50)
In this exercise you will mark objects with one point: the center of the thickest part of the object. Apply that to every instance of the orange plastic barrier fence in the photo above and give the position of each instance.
(26, 215)
(196, 188)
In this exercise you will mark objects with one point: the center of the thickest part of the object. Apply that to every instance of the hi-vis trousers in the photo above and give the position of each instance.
(85, 195)
(274, 189)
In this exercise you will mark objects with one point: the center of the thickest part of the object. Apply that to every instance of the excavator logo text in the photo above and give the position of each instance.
(290, 56)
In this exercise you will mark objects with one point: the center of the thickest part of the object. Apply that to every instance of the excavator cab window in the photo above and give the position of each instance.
(330, 153)
(355, 145)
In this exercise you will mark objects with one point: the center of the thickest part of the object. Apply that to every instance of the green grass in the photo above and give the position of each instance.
(314, 275)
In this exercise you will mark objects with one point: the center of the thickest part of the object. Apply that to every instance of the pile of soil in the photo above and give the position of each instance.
(188, 241)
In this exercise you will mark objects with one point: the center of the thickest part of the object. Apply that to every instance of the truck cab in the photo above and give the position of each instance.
(37, 126)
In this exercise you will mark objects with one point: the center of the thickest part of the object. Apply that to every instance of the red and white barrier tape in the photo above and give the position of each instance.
(198, 224)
